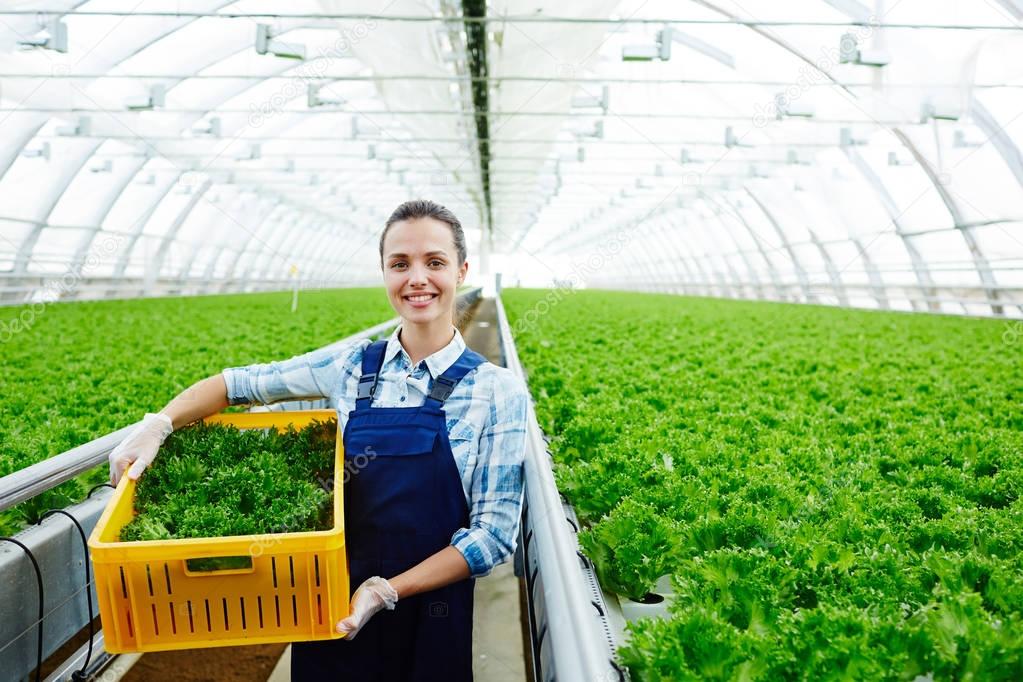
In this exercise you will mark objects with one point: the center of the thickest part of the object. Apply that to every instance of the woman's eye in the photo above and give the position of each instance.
(437, 263)
(397, 265)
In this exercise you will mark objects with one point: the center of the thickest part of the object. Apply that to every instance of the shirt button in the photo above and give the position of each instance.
(402, 399)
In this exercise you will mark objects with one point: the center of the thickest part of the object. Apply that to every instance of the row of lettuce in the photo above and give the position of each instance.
(74, 372)
(834, 493)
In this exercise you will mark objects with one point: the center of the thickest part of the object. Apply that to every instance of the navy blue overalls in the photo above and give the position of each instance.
(403, 502)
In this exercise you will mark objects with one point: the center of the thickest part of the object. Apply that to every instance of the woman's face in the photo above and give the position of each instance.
(422, 270)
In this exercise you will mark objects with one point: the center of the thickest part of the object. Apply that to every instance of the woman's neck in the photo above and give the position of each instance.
(422, 341)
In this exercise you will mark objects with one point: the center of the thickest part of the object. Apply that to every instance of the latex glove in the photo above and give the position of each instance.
(373, 595)
(139, 448)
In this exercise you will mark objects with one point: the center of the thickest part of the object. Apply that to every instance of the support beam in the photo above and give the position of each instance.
(168, 238)
(887, 201)
(804, 283)
(999, 138)
(780, 291)
(965, 229)
(715, 212)
(46, 206)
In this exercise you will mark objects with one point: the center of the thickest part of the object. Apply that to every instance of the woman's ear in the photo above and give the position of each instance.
(462, 271)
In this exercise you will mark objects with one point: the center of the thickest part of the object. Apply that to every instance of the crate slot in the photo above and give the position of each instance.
(259, 608)
(149, 579)
(131, 631)
(124, 585)
(156, 623)
(191, 624)
(291, 567)
(227, 623)
(242, 600)
(174, 622)
(294, 609)
(166, 573)
(273, 569)
(316, 565)
(277, 608)
(209, 621)
(319, 610)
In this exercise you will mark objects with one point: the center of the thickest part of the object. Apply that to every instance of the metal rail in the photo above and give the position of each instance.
(573, 638)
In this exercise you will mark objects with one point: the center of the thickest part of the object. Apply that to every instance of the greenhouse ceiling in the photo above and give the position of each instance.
(827, 151)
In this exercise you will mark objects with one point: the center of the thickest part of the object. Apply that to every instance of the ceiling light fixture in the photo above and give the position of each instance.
(52, 35)
(265, 44)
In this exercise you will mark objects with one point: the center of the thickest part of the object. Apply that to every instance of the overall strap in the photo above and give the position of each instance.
(446, 382)
(372, 361)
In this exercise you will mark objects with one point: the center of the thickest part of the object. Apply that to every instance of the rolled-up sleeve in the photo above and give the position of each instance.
(496, 492)
(313, 375)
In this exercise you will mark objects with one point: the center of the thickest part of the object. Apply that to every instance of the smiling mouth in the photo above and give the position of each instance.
(420, 298)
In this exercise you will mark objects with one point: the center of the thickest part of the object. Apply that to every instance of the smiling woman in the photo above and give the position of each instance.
(427, 510)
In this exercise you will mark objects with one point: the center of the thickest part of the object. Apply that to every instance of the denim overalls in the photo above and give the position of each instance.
(403, 501)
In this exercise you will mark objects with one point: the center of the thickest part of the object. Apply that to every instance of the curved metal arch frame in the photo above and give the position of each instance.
(965, 229)
(165, 241)
(714, 211)
(28, 244)
(675, 258)
(186, 269)
(1008, 151)
(271, 248)
(140, 224)
(887, 202)
(728, 289)
(999, 138)
(834, 274)
(271, 215)
(53, 197)
(671, 256)
(996, 309)
(780, 291)
(240, 90)
(801, 277)
(85, 245)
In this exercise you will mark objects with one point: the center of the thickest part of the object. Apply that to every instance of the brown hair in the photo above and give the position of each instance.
(424, 208)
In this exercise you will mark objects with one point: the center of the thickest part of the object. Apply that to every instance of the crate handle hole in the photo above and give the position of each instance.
(218, 565)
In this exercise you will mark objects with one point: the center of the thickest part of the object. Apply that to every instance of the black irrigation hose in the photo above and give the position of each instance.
(80, 674)
(39, 582)
(97, 487)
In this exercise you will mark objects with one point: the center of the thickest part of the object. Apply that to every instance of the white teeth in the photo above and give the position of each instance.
(421, 297)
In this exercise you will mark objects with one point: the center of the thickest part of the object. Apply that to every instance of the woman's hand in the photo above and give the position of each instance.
(372, 596)
(139, 448)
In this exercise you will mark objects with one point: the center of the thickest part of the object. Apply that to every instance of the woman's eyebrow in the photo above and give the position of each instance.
(427, 254)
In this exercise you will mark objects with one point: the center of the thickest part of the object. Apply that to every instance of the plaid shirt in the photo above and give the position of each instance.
(486, 420)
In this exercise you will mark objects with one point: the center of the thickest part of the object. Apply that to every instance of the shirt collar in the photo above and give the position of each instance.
(436, 363)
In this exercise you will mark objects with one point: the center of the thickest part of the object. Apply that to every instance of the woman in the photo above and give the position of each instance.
(439, 435)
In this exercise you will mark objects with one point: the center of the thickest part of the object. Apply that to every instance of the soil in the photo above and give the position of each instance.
(221, 664)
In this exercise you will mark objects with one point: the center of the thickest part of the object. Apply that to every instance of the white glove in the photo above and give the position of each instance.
(372, 595)
(139, 448)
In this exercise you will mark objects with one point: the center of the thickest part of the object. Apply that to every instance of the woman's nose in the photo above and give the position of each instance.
(417, 274)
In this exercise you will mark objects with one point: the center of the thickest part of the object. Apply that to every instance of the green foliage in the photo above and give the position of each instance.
(835, 493)
(214, 480)
(82, 370)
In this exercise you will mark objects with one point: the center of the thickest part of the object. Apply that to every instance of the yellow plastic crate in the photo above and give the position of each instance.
(295, 589)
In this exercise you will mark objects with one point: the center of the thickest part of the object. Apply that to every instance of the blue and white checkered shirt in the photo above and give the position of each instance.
(486, 419)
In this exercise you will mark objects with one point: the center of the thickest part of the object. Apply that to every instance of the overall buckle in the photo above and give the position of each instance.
(442, 388)
(367, 385)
